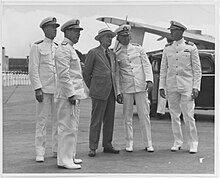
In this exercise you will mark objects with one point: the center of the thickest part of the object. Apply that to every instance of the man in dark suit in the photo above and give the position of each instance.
(99, 76)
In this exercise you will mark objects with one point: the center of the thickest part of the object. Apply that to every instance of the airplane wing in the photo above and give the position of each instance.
(138, 30)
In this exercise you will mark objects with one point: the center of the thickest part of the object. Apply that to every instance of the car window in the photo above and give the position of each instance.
(207, 65)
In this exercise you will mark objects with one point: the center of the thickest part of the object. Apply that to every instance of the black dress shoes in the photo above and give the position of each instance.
(92, 153)
(110, 150)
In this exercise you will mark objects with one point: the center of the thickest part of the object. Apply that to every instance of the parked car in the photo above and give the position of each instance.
(206, 98)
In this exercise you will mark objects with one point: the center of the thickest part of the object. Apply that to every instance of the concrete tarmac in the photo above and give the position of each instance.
(19, 152)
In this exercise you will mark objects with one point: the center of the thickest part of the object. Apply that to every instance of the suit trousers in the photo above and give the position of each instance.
(103, 111)
(143, 109)
(44, 110)
(68, 123)
(183, 102)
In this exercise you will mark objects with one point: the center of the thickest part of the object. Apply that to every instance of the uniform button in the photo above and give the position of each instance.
(176, 59)
(177, 52)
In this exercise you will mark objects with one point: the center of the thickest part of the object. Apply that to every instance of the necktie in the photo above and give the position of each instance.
(108, 57)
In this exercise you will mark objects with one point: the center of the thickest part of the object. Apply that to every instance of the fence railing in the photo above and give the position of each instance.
(14, 78)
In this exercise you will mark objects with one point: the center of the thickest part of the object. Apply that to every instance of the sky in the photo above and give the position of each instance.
(20, 21)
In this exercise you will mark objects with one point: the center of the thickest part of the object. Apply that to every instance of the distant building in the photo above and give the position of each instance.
(14, 64)
(18, 64)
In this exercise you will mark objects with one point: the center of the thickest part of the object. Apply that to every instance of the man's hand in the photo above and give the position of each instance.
(120, 99)
(149, 86)
(162, 93)
(195, 93)
(39, 95)
(72, 100)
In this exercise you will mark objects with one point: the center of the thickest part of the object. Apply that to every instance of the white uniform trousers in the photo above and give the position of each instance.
(68, 123)
(161, 104)
(44, 110)
(143, 109)
(183, 102)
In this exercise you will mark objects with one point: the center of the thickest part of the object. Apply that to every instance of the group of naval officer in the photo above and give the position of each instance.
(123, 74)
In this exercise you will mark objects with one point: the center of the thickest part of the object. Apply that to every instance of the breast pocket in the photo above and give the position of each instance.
(123, 61)
(135, 58)
(170, 56)
(46, 57)
(185, 54)
(134, 55)
(186, 60)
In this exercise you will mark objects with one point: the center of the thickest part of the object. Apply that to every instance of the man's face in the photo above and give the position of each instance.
(106, 40)
(124, 39)
(176, 34)
(74, 35)
(50, 31)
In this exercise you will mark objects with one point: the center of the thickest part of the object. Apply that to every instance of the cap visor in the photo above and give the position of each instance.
(76, 28)
(57, 25)
(80, 28)
(51, 24)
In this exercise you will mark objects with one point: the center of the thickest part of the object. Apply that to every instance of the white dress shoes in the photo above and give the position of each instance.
(39, 158)
(150, 149)
(129, 149)
(77, 161)
(193, 150)
(175, 148)
(70, 166)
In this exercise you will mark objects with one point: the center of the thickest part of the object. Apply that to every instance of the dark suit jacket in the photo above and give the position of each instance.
(99, 76)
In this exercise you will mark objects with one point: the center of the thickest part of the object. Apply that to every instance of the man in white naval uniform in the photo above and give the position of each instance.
(70, 90)
(181, 74)
(135, 81)
(42, 74)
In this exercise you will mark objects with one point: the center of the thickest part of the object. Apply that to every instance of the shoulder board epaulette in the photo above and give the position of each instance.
(64, 43)
(38, 42)
(169, 44)
(55, 43)
(189, 43)
(135, 44)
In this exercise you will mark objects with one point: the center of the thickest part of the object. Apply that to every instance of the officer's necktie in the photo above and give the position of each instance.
(108, 57)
